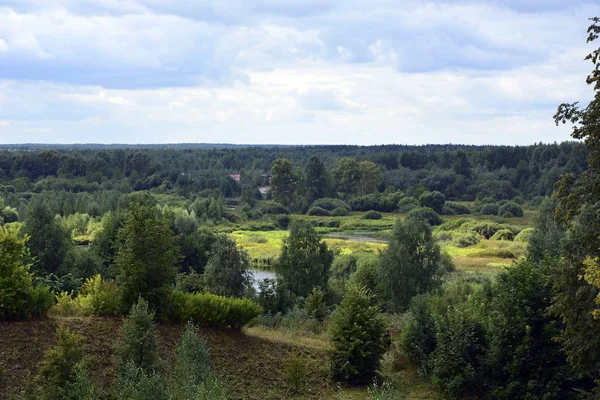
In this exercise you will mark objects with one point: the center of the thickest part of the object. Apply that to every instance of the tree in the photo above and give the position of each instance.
(319, 182)
(146, 258)
(356, 333)
(15, 278)
(369, 177)
(305, 260)
(434, 200)
(574, 298)
(284, 181)
(48, 242)
(139, 344)
(347, 175)
(461, 164)
(227, 272)
(410, 265)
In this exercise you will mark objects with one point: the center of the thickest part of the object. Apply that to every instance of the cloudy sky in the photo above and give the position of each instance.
(290, 71)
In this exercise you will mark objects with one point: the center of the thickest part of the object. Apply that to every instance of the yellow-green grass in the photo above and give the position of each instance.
(486, 256)
(268, 244)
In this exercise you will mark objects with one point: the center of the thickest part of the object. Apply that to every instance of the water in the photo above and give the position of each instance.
(260, 276)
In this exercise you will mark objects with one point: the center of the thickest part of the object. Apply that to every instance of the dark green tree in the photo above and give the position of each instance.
(412, 263)
(434, 200)
(305, 260)
(139, 343)
(284, 181)
(146, 258)
(227, 272)
(319, 182)
(356, 333)
(48, 242)
(347, 175)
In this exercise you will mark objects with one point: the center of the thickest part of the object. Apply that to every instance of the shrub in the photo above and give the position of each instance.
(385, 391)
(340, 212)
(295, 372)
(139, 339)
(418, 339)
(484, 228)
(39, 301)
(315, 304)
(212, 310)
(226, 273)
(135, 383)
(330, 204)
(426, 214)
(273, 297)
(189, 283)
(271, 207)
(489, 209)
(510, 209)
(524, 235)
(452, 224)
(456, 209)
(434, 200)
(343, 266)
(356, 332)
(318, 211)
(503, 234)
(406, 204)
(192, 376)
(58, 369)
(371, 215)
(66, 305)
(465, 239)
(99, 297)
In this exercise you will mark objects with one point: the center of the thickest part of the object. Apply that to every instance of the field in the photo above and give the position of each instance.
(355, 235)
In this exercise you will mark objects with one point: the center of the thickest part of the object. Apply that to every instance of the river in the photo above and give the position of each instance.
(260, 276)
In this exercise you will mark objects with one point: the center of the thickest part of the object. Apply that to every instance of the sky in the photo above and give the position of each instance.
(291, 71)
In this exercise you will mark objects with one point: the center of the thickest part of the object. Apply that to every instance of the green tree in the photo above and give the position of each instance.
(305, 260)
(369, 177)
(319, 182)
(139, 341)
(226, 273)
(48, 242)
(146, 258)
(284, 181)
(356, 334)
(574, 298)
(411, 264)
(461, 164)
(434, 200)
(15, 278)
(347, 175)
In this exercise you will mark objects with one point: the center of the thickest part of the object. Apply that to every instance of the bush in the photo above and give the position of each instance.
(215, 311)
(66, 305)
(189, 283)
(503, 234)
(452, 224)
(295, 372)
(135, 383)
(192, 376)
(99, 297)
(510, 209)
(340, 212)
(406, 204)
(371, 215)
(434, 200)
(330, 204)
(489, 209)
(139, 339)
(418, 339)
(318, 211)
(484, 228)
(226, 273)
(271, 207)
(465, 239)
(456, 209)
(315, 304)
(426, 214)
(356, 331)
(524, 235)
(59, 369)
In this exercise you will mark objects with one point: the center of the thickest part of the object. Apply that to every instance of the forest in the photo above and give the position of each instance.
(330, 272)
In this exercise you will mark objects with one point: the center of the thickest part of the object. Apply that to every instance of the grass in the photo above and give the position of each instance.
(486, 256)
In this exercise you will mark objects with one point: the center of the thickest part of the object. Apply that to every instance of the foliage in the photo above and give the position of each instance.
(318, 211)
(489, 209)
(385, 391)
(546, 239)
(406, 204)
(139, 342)
(304, 261)
(227, 272)
(271, 207)
(340, 212)
(418, 339)
(410, 265)
(192, 376)
(274, 297)
(284, 181)
(48, 248)
(525, 235)
(503, 234)
(18, 296)
(510, 209)
(426, 214)
(295, 372)
(455, 209)
(62, 374)
(146, 258)
(434, 200)
(330, 204)
(99, 297)
(356, 331)
(371, 215)
(136, 383)
(315, 304)
(212, 310)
